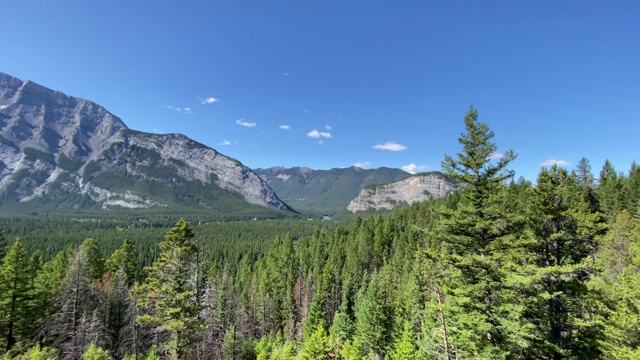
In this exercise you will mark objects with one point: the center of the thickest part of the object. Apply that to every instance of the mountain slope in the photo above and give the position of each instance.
(325, 191)
(419, 187)
(63, 152)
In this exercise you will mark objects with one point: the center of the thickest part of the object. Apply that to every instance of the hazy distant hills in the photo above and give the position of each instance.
(62, 152)
(325, 191)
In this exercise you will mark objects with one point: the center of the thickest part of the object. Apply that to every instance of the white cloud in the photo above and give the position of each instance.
(225, 143)
(208, 100)
(186, 110)
(284, 127)
(318, 134)
(328, 127)
(285, 73)
(413, 168)
(552, 162)
(496, 156)
(362, 165)
(246, 123)
(390, 146)
(307, 111)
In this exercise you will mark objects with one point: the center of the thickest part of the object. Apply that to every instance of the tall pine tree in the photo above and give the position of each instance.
(564, 234)
(16, 292)
(168, 294)
(477, 237)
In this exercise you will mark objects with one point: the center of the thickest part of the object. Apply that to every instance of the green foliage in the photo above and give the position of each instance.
(404, 347)
(374, 315)
(342, 327)
(168, 297)
(619, 282)
(95, 353)
(564, 235)
(16, 292)
(610, 191)
(477, 235)
(66, 163)
(94, 256)
(316, 346)
(31, 154)
(39, 353)
(3, 244)
(125, 257)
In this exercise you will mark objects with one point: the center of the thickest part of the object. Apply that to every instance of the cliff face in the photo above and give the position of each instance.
(419, 187)
(325, 191)
(69, 152)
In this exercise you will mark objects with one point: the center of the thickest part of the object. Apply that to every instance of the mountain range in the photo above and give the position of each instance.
(62, 153)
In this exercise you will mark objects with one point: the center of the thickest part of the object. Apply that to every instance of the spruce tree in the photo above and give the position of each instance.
(477, 237)
(3, 244)
(619, 262)
(95, 257)
(610, 191)
(374, 321)
(168, 296)
(404, 347)
(16, 292)
(125, 257)
(564, 234)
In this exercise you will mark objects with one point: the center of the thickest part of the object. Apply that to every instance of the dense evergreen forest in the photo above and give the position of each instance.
(503, 269)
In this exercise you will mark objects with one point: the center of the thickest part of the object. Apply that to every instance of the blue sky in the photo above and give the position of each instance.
(326, 84)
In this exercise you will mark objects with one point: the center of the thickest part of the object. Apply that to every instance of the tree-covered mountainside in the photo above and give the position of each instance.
(61, 153)
(325, 191)
(501, 269)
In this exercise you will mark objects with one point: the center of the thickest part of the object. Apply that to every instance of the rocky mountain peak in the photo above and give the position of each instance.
(71, 152)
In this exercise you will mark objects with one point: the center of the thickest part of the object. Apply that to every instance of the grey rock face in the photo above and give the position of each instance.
(54, 146)
(419, 187)
(325, 191)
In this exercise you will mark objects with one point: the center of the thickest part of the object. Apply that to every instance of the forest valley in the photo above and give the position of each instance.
(503, 269)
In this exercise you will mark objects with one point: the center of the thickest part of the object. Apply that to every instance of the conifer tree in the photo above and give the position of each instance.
(16, 291)
(168, 297)
(316, 346)
(373, 317)
(94, 256)
(317, 314)
(584, 176)
(77, 308)
(48, 285)
(632, 190)
(404, 347)
(478, 235)
(3, 244)
(95, 353)
(342, 326)
(587, 183)
(125, 257)
(610, 191)
(119, 312)
(619, 281)
(564, 236)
